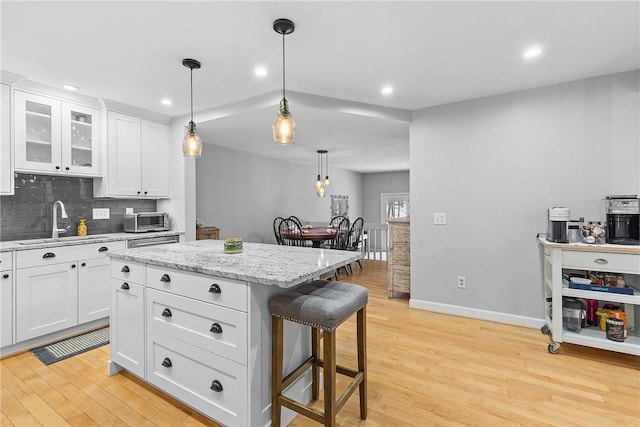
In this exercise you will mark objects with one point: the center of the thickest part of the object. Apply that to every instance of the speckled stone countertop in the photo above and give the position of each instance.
(22, 245)
(283, 266)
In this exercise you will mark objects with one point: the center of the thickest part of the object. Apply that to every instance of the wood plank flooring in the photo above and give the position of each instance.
(425, 369)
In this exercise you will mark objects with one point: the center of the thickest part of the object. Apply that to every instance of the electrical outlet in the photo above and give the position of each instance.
(128, 210)
(101, 213)
(462, 282)
(439, 218)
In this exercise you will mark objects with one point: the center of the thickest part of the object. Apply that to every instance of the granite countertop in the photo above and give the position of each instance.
(283, 266)
(21, 245)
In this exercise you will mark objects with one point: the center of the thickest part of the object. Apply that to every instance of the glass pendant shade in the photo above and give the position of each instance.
(327, 181)
(191, 144)
(284, 128)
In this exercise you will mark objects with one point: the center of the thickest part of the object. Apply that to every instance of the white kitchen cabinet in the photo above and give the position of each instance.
(6, 299)
(55, 136)
(605, 258)
(6, 158)
(127, 315)
(138, 157)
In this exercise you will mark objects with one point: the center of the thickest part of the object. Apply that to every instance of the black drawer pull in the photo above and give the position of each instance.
(103, 249)
(165, 278)
(166, 312)
(73, 266)
(124, 286)
(215, 289)
(216, 328)
(167, 362)
(216, 386)
(5, 276)
(125, 269)
(49, 255)
(84, 264)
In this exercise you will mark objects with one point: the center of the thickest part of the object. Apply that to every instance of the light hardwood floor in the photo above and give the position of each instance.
(424, 369)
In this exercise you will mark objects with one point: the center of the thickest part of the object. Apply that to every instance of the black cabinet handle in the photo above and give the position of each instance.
(124, 286)
(66, 168)
(215, 289)
(125, 269)
(165, 278)
(5, 276)
(103, 249)
(216, 328)
(57, 167)
(167, 362)
(216, 386)
(145, 193)
(84, 264)
(138, 192)
(49, 255)
(166, 313)
(73, 266)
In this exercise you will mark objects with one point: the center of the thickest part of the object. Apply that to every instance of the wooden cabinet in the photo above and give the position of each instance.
(6, 155)
(127, 315)
(208, 233)
(55, 137)
(399, 257)
(6, 299)
(138, 157)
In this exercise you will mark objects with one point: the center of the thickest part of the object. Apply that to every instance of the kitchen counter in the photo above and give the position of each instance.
(282, 266)
(586, 247)
(21, 245)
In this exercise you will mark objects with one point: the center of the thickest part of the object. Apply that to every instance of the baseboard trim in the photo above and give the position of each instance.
(476, 313)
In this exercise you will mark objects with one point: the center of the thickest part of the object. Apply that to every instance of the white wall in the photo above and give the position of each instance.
(241, 193)
(495, 165)
(373, 184)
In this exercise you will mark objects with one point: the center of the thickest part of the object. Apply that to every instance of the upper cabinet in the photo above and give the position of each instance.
(6, 171)
(55, 137)
(138, 157)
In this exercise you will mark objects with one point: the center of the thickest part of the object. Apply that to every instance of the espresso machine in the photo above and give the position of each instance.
(557, 225)
(623, 220)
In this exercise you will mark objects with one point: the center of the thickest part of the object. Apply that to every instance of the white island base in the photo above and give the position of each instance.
(195, 323)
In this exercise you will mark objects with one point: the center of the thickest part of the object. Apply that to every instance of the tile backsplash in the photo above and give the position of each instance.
(28, 214)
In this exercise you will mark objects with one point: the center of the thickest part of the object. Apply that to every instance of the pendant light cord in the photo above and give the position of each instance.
(191, 94)
(283, 68)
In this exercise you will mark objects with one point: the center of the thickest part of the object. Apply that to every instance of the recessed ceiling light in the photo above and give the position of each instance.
(260, 71)
(386, 90)
(166, 101)
(71, 88)
(532, 52)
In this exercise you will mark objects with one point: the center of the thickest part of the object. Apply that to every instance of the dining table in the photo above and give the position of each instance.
(316, 235)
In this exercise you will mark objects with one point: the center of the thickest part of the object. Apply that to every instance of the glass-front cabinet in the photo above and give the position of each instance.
(56, 136)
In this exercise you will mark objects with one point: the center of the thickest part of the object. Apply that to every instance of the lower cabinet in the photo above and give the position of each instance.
(94, 291)
(6, 299)
(127, 332)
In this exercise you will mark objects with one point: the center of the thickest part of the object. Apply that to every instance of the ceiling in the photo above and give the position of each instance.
(338, 58)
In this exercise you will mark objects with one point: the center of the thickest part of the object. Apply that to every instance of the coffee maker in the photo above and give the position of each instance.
(557, 225)
(623, 220)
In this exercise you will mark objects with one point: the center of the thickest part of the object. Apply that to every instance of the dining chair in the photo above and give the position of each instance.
(291, 233)
(355, 238)
(276, 229)
(335, 221)
(296, 219)
(341, 240)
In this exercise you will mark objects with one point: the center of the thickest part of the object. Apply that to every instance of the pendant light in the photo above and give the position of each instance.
(320, 183)
(327, 181)
(284, 128)
(191, 145)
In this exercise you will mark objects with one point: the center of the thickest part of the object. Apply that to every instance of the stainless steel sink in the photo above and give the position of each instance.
(61, 239)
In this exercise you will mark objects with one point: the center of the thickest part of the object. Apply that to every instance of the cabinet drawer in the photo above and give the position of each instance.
(129, 271)
(49, 256)
(197, 322)
(97, 250)
(6, 260)
(191, 374)
(601, 261)
(225, 292)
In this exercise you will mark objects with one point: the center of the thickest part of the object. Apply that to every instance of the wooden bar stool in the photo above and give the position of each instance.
(323, 305)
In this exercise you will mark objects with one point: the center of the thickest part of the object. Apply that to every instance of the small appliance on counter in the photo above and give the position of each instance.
(623, 219)
(142, 222)
(557, 226)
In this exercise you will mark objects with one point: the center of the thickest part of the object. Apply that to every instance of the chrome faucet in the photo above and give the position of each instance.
(57, 230)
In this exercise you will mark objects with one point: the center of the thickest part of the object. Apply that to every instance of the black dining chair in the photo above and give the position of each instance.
(296, 219)
(355, 238)
(341, 240)
(276, 229)
(335, 221)
(291, 233)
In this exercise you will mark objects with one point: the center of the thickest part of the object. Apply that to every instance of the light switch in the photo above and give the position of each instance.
(439, 218)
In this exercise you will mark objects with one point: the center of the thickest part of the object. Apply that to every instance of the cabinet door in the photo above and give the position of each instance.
(155, 159)
(37, 133)
(127, 325)
(94, 289)
(123, 136)
(46, 299)
(80, 140)
(6, 171)
(6, 315)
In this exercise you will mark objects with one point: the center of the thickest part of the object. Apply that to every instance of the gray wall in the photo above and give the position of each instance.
(241, 193)
(495, 165)
(374, 184)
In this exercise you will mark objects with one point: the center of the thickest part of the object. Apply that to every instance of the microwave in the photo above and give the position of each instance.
(142, 222)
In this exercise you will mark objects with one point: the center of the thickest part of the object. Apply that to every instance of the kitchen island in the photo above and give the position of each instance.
(194, 322)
